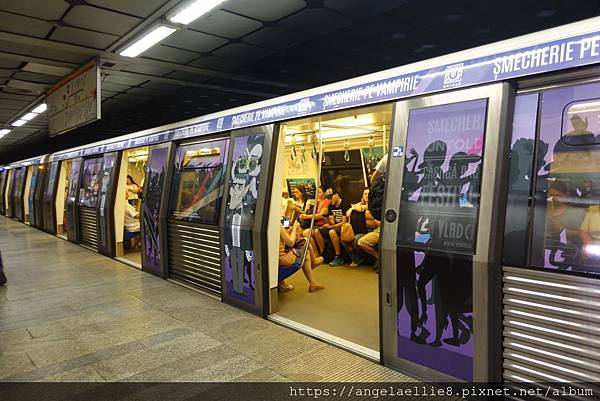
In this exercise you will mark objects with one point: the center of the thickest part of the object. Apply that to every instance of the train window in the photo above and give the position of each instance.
(198, 182)
(90, 182)
(567, 201)
(578, 117)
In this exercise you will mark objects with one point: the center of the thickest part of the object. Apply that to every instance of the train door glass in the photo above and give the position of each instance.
(19, 188)
(31, 194)
(106, 224)
(49, 198)
(3, 179)
(137, 162)
(323, 171)
(566, 215)
(37, 196)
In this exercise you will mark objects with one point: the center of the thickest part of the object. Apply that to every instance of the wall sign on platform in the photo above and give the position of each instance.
(75, 101)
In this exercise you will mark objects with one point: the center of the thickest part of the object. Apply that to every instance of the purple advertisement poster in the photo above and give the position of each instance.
(239, 217)
(154, 181)
(436, 236)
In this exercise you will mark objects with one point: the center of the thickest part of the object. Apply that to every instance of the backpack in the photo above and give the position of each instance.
(376, 195)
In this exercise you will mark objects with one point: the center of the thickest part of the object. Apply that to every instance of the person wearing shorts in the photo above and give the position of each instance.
(290, 260)
(368, 243)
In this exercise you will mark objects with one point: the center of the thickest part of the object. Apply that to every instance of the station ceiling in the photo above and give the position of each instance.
(242, 52)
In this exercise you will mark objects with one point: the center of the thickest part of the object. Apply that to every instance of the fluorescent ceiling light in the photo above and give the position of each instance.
(18, 123)
(40, 109)
(29, 116)
(193, 10)
(147, 41)
(4, 132)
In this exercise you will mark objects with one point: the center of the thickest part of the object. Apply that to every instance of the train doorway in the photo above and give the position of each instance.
(62, 196)
(320, 196)
(128, 206)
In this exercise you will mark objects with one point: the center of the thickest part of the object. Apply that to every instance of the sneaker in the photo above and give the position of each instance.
(336, 261)
(356, 263)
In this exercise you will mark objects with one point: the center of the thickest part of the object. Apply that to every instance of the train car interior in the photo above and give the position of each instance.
(323, 172)
(128, 205)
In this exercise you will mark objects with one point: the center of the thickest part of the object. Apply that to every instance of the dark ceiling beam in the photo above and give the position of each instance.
(66, 47)
(173, 81)
(31, 59)
(38, 60)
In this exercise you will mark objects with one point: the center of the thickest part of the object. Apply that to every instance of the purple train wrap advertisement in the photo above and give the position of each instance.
(154, 181)
(436, 240)
(239, 217)
(544, 57)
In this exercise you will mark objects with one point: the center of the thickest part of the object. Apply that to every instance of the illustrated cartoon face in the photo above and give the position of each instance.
(423, 225)
(237, 190)
(250, 163)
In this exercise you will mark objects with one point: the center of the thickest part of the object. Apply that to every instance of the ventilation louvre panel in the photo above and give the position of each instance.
(194, 255)
(88, 228)
(551, 326)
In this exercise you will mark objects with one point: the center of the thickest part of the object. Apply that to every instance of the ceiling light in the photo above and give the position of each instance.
(40, 109)
(193, 10)
(29, 116)
(148, 40)
(18, 123)
(4, 132)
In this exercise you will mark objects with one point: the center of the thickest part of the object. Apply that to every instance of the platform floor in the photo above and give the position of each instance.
(68, 314)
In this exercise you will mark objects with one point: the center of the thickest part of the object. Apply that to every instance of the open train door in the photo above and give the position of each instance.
(154, 209)
(442, 235)
(248, 186)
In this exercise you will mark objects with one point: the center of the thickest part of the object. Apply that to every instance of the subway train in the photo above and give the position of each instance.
(482, 264)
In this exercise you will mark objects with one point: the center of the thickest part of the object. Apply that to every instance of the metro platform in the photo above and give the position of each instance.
(68, 314)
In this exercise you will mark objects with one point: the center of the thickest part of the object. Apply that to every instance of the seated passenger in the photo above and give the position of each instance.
(299, 203)
(285, 204)
(132, 225)
(133, 190)
(290, 259)
(328, 236)
(362, 222)
(369, 242)
(321, 212)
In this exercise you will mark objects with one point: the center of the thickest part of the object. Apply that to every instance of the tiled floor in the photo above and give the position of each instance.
(68, 314)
